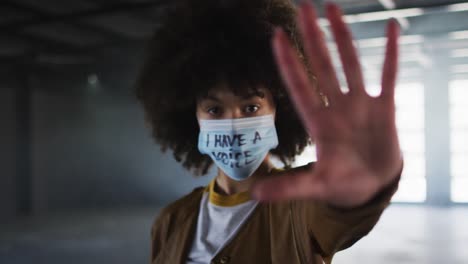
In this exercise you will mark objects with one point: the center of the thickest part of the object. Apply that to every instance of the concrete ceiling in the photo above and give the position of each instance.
(79, 31)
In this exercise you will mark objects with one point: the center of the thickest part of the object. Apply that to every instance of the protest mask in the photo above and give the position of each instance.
(238, 146)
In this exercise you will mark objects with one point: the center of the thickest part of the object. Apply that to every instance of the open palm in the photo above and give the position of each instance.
(358, 153)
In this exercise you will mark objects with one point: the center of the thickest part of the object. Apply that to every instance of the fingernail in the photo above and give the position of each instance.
(394, 20)
(331, 7)
(305, 5)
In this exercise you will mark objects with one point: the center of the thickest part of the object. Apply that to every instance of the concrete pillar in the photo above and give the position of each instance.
(437, 123)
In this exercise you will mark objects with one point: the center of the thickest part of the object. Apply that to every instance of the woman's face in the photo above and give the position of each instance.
(222, 103)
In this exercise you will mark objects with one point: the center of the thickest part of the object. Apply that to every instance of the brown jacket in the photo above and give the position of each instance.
(279, 233)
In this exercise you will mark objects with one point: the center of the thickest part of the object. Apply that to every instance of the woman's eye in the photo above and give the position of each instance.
(252, 108)
(214, 110)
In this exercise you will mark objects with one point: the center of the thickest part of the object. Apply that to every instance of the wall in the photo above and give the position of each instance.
(8, 201)
(92, 149)
(89, 147)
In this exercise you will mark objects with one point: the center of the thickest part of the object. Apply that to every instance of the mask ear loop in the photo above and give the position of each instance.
(323, 97)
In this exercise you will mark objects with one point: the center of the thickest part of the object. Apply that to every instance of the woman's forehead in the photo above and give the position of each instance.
(244, 92)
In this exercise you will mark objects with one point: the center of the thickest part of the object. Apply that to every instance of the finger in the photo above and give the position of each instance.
(292, 184)
(295, 77)
(390, 67)
(346, 49)
(317, 52)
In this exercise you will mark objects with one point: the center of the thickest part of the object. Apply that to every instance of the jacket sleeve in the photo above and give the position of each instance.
(158, 236)
(333, 229)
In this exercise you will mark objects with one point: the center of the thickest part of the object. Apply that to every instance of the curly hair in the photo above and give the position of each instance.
(201, 44)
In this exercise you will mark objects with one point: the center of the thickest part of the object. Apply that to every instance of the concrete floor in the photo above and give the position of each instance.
(104, 236)
(411, 234)
(405, 234)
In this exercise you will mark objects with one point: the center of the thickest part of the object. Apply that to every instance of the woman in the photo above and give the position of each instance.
(215, 89)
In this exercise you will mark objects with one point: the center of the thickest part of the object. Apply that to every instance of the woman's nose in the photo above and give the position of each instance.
(234, 113)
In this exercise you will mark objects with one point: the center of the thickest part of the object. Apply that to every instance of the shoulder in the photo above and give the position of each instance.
(170, 218)
(180, 208)
(184, 203)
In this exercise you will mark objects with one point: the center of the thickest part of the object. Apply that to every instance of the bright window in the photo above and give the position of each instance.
(458, 93)
(409, 99)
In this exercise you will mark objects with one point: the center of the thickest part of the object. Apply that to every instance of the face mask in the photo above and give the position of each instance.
(238, 146)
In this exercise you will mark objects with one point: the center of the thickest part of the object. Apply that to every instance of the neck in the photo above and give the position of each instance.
(227, 186)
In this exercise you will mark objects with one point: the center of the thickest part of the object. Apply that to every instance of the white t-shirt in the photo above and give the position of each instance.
(219, 219)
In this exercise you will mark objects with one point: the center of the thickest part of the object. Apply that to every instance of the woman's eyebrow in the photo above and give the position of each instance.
(211, 97)
(253, 94)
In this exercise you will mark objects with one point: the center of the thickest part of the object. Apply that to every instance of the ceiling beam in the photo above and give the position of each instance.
(350, 10)
(425, 24)
(73, 18)
(47, 18)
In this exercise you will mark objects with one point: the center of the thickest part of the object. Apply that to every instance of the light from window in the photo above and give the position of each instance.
(458, 92)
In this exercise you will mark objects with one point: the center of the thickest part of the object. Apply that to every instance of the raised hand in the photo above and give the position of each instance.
(358, 153)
